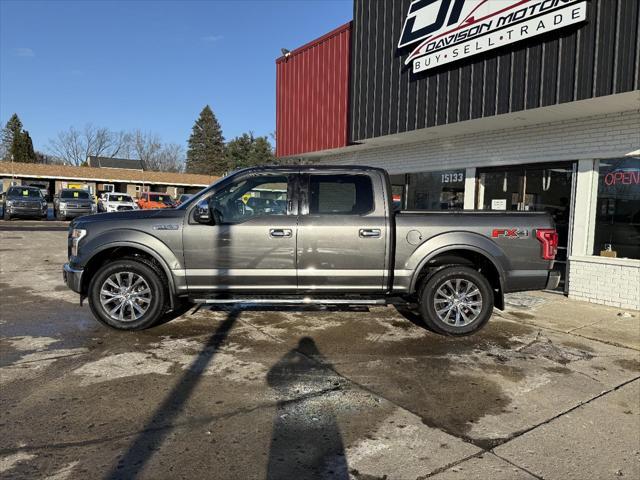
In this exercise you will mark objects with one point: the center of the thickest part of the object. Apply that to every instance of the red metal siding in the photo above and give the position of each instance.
(312, 95)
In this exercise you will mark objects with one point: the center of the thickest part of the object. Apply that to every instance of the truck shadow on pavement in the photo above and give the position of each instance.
(153, 434)
(305, 442)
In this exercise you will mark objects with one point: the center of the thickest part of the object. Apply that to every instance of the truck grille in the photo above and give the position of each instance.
(27, 204)
(124, 208)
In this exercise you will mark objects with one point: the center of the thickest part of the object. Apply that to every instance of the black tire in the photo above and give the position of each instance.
(156, 305)
(437, 285)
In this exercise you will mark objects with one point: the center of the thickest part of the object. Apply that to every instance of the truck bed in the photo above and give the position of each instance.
(507, 237)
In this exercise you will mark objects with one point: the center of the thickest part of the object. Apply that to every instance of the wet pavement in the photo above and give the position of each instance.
(550, 389)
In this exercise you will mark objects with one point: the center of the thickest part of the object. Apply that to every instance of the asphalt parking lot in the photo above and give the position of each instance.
(550, 389)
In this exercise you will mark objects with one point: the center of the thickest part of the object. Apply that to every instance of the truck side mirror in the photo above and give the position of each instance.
(202, 213)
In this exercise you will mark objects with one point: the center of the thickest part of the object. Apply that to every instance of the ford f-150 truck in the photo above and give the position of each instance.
(307, 235)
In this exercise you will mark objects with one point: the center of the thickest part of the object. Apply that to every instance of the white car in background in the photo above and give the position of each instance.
(116, 202)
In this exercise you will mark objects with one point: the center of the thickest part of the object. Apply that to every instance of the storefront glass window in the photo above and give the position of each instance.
(398, 190)
(436, 190)
(617, 230)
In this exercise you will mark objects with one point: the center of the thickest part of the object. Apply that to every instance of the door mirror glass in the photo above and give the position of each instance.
(202, 213)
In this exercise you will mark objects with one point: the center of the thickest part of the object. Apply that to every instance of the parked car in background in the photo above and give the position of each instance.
(116, 202)
(24, 202)
(44, 188)
(71, 203)
(183, 198)
(152, 200)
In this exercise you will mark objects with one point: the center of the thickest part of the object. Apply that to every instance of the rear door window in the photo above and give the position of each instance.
(340, 195)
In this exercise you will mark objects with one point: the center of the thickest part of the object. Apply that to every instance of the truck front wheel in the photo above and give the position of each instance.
(127, 295)
(456, 301)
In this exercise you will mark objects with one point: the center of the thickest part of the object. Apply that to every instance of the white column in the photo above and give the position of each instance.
(470, 189)
(585, 202)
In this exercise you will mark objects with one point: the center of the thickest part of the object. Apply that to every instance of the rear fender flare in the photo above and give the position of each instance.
(451, 241)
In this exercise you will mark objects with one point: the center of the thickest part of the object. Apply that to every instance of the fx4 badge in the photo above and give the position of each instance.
(511, 233)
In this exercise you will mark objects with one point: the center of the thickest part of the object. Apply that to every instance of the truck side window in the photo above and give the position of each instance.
(252, 197)
(340, 194)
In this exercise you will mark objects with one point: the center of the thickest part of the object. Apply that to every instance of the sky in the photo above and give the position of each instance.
(150, 64)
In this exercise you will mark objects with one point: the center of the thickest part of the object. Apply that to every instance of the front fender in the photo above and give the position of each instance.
(134, 239)
(450, 241)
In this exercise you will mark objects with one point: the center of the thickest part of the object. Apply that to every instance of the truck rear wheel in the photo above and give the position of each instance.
(127, 295)
(456, 301)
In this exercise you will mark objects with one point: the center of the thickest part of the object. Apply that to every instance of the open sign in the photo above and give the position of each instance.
(622, 177)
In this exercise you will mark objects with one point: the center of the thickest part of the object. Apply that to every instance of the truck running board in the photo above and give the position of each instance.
(291, 301)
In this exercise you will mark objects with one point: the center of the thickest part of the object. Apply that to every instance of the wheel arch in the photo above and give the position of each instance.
(467, 255)
(118, 250)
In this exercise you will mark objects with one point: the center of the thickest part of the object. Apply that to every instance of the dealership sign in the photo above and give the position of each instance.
(449, 30)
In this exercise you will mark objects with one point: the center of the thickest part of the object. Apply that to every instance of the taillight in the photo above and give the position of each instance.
(548, 238)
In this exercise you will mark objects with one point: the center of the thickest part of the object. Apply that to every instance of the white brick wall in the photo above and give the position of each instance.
(600, 136)
(606, 281)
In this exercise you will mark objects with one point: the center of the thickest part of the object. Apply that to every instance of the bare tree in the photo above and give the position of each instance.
(171, 158)
(155, 155)
(146, 147)
(75, 146)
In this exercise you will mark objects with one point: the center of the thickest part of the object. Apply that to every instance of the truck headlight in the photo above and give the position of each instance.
(63, 205)
(9, 203)
(94, 207)
(77, 234)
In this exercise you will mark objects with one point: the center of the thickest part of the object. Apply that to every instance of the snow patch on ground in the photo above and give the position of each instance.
(402, 448)
(225, 362)
(64, 473)
(10, 461)
(29, 343)
(37, 357)
(394, 333)
(121, 365)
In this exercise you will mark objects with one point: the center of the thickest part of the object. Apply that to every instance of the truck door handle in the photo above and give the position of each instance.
(280, 232)
(369, 233)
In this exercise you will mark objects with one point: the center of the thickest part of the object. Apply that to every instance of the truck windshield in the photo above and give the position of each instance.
(79, 194)
(24, 192)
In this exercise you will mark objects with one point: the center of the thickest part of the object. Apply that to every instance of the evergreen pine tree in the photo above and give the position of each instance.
(17, 142)
(262, 152)
(247, 151)
(206, 153)
(25, 150)
(10, 132)
(239, 151)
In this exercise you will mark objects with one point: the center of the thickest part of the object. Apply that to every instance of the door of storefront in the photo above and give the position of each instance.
(546, 187)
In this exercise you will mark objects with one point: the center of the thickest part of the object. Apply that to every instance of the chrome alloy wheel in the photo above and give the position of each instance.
(125, 296)
(458, 302)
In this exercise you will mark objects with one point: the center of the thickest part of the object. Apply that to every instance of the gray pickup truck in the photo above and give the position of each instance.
(307, 235)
